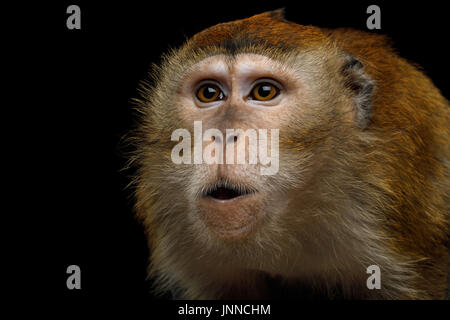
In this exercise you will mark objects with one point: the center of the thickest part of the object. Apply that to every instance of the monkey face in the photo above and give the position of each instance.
(248, 91)
(279, 93)
(229, 207)
(245, 93)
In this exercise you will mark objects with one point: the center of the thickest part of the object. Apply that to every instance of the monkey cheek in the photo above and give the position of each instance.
(232, 219)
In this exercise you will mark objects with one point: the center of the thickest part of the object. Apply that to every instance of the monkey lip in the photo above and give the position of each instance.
(231, 210)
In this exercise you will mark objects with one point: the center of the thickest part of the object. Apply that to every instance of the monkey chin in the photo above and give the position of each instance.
(231, 215)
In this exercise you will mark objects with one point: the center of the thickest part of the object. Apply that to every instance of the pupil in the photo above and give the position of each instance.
(264, 91)
(209, 92)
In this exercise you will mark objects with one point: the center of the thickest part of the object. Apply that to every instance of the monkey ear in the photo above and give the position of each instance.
(357, 80)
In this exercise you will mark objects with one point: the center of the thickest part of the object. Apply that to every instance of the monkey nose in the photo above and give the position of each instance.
(232, 138)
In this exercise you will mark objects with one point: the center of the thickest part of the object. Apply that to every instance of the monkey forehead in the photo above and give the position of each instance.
(240, 67)
(269, 28)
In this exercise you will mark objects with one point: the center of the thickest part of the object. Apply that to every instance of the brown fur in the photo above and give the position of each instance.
(379, 189)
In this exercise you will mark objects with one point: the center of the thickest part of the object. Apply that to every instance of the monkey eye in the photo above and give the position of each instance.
(209, 92)
(264, 91)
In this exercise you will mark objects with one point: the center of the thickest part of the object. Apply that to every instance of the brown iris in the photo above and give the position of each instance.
(264, 91)
(209, 93)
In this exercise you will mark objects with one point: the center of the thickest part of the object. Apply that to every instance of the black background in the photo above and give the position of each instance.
(87, 79)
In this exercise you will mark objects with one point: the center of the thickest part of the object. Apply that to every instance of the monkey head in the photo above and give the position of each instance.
(341, 132)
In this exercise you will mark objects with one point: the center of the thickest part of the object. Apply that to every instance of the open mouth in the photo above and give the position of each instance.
(230, 209)
(227, 191)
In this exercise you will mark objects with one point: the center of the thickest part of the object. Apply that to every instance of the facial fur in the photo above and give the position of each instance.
(363, 142)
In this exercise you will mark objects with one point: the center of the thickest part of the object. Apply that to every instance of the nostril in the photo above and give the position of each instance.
(216, 139)
(232, 138)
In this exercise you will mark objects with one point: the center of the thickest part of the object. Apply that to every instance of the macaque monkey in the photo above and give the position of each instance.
(363, 175)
